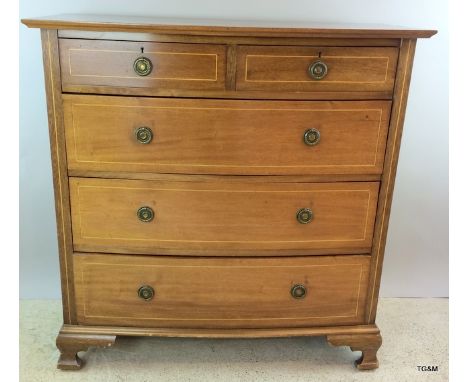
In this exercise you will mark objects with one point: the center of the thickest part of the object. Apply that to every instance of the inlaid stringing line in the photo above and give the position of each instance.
(137, 77)
(344, 57)
(74, 105)
(57, 156)
(378, 138)
(79, 209)
(219, 319)
(78, 187)
(392, 157)
(359, 292)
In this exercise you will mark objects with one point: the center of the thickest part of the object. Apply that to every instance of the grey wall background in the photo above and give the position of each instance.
(416, 259)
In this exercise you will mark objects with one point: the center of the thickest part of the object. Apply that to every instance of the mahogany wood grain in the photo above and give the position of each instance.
(228, 178)
(59, 170)
(225, 182)
(110, 63)
(225, 137)
(388, 180)
(227, 94)
(195, 217)
(73, 338)
(222, 27)
(286, 68)
(368, 344)
(220, 293)
(231, 64)
(229, 40)
(219, 333)
(69, 344)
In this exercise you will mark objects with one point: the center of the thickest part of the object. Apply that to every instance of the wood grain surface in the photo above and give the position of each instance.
(110, 63)
(225, 137)
(193, 217)
(134, 331)
(227, 178)
(220, 293)
(286, 68)
(227, 94)
(70, 344)
(388, 180)
(225, 174)
(229, 40)
(368, 344)
(217, 27)
(59, 170)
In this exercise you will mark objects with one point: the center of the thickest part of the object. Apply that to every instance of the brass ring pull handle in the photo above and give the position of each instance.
(145, 214)
(298, 291)
(142, 66)
(304, 215)
(311, 137)
(318, 70)
(146, 292)
(144, 135)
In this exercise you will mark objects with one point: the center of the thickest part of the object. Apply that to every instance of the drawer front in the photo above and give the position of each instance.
(111, 64)
(221, 218)
(288, 68)
(223, 293)
(225, 137)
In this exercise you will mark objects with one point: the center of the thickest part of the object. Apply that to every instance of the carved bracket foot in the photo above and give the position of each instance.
(70, 344)
(368, 344)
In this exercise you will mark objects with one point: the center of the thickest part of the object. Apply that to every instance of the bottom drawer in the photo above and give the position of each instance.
(220, 292)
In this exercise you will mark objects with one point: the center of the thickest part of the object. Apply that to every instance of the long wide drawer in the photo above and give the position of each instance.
(219, 292)
(105, 64)
(312, 69)
(225, 137)
(221, 218)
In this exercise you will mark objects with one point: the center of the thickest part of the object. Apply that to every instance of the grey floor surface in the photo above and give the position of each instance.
(415, 333)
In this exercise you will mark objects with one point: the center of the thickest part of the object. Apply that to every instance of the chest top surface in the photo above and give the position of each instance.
(223, 27)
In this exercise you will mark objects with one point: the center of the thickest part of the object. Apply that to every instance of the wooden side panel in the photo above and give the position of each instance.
(59, 168)
(110, 64)
(286, 68)
(220, 293)
(225, 136)
(227, 218)
(388, 179)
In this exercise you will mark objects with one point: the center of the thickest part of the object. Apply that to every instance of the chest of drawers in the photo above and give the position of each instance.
(222, 180)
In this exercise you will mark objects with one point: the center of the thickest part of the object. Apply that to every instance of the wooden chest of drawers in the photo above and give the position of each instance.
(220, 180)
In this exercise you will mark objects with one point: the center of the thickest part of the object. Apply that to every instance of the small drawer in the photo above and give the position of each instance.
(204, 217)
(220, 293)
(228, 137)
(102, 63)
(309, 69)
